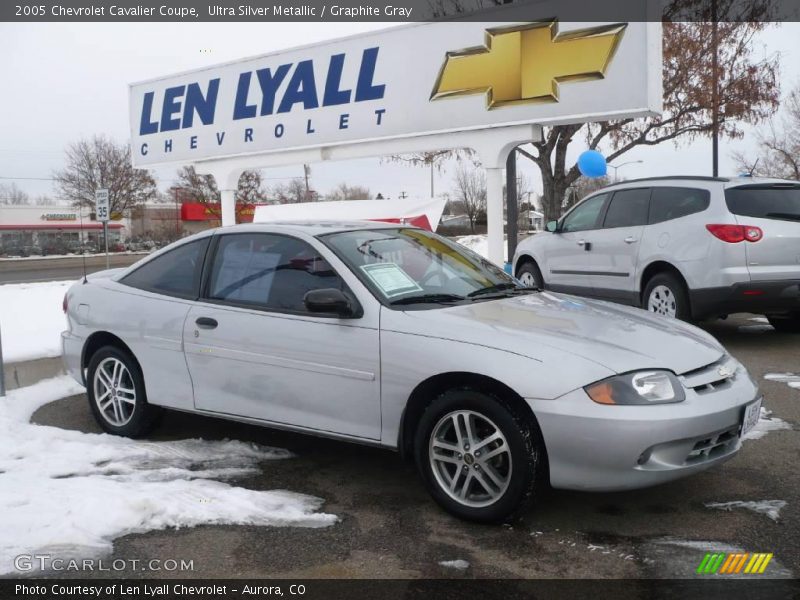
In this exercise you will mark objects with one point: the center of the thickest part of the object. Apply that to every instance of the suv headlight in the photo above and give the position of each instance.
(640, 387)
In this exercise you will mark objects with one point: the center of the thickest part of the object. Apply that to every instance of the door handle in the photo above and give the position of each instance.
(629, 240)
(206, 323)
(586, 245)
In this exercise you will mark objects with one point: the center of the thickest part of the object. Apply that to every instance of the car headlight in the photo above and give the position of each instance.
(641, 387)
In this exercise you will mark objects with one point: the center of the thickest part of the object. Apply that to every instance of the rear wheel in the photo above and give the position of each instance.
(666, 295)
(530, 275)
(479, 458)
(117, 398)
(788, 323)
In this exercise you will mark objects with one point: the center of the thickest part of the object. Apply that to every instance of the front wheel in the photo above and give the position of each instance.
(117, 398)
(788, 323)
(666, 295)
(479, 458)
(530, 275)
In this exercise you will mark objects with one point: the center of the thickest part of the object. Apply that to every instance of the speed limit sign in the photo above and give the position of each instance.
(101, 205)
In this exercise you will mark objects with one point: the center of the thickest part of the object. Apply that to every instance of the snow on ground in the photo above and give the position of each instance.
(790, 379)
(459, 564)
(770, 508)
(70, 493)
(766, 423)
(31, 319)
(480, 245)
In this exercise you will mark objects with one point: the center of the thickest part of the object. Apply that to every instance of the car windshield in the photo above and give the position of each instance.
(408, 267)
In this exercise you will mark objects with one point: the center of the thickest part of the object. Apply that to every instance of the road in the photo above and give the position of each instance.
(390, 528)
(59, 269)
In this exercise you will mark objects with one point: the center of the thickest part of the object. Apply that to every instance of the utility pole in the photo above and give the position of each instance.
(714, 91)
(403, 195)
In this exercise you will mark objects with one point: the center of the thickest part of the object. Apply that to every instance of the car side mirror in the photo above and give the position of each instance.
(331, 301)
(552, 226)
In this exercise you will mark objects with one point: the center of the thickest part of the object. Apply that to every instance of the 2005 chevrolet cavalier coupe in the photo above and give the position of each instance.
(393, 336)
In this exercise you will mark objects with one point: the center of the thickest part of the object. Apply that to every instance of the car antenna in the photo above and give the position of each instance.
(750, 174)
(83, 246)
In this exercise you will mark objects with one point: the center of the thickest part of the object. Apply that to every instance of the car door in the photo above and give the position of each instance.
(615, 246)
(254, 350)
(568, 260)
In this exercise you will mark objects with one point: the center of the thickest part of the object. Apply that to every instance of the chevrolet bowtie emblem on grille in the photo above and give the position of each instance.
(526, 64)
(725, 371)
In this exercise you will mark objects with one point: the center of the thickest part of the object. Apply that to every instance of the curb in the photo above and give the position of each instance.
(28, 372)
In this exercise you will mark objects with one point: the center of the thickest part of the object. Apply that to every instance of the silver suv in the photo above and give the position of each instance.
(687, 247)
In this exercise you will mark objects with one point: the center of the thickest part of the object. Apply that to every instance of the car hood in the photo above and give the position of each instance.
(617, 337)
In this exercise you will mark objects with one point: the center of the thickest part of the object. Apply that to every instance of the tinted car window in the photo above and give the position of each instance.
(269, 271)
(628, 208)
(765, 201)
(669, 203)
(585, 215)
(174, 273)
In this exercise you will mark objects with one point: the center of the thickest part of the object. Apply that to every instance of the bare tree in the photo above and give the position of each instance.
(779, 147)
(470, 191)
(251, 188)
(349, 192)
(97, 163)
(11, 194)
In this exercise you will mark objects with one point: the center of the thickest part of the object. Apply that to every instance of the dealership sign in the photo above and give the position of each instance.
(401, 82)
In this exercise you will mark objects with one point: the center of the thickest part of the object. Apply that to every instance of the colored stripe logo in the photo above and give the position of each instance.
(735, 563)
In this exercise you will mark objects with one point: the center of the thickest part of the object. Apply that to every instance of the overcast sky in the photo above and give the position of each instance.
(61, 82)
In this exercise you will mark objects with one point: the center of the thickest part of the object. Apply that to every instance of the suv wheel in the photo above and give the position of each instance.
(666, 295)
(478, 457)
(530, 275)
(788, 323)
(117, 398)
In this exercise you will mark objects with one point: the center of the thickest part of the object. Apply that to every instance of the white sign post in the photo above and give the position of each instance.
(102, 211)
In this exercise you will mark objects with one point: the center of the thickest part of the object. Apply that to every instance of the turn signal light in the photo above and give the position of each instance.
(733, 234)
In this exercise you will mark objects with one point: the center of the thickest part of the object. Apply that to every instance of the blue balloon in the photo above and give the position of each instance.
(592, 164)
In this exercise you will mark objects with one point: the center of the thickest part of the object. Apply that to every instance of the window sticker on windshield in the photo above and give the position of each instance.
(390, 279)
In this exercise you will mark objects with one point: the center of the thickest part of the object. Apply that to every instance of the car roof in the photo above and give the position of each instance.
(726, 181)
(308, 227)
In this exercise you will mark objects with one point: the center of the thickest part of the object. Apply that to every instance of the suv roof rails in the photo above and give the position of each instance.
(689, 177)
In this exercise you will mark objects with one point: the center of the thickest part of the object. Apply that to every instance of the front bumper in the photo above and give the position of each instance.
(597, 447)
(760, 297)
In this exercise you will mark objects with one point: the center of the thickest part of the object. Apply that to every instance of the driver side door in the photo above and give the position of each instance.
(568, 264)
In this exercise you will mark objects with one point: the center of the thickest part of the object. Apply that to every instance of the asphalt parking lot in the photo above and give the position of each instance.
(390, 528)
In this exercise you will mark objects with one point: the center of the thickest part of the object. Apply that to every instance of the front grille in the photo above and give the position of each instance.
(713, 446)
(717, 376)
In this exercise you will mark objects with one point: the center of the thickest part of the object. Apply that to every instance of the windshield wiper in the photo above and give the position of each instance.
(503, 288)
(787, 216)
(428, 298)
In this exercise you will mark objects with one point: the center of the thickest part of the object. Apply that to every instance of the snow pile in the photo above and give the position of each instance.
(480, 245)
(459, 564)
(789, 379)
(771, 508)
(31, 319)
(766, 423)
(71, 493)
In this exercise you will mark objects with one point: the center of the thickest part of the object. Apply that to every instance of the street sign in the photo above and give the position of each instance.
(101, 205)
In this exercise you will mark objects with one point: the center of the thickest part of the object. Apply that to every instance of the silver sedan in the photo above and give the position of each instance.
(393, 336)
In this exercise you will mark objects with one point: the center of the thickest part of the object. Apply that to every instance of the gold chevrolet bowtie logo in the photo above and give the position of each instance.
(526, 63)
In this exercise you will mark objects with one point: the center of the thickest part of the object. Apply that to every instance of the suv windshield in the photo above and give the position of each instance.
(414, 267)
(772, 201)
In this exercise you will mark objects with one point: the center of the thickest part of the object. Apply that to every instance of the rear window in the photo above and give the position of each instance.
(765, 201)
(669, 203)
(174, 273)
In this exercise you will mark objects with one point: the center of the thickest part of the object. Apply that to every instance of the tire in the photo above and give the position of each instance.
(121, 409)
(529, 274)
(515, 473)
(788, 323)
(666, 295)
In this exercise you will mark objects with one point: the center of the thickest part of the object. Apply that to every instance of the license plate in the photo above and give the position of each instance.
(751, 415)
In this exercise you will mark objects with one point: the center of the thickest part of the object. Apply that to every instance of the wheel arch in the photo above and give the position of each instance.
(653, 269)
(522, 259)
(428, 390)
(96, 341)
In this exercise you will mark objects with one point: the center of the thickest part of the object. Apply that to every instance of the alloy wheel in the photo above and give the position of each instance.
(528, 279)
(114, 391)
(662, 301)
(470, 458)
